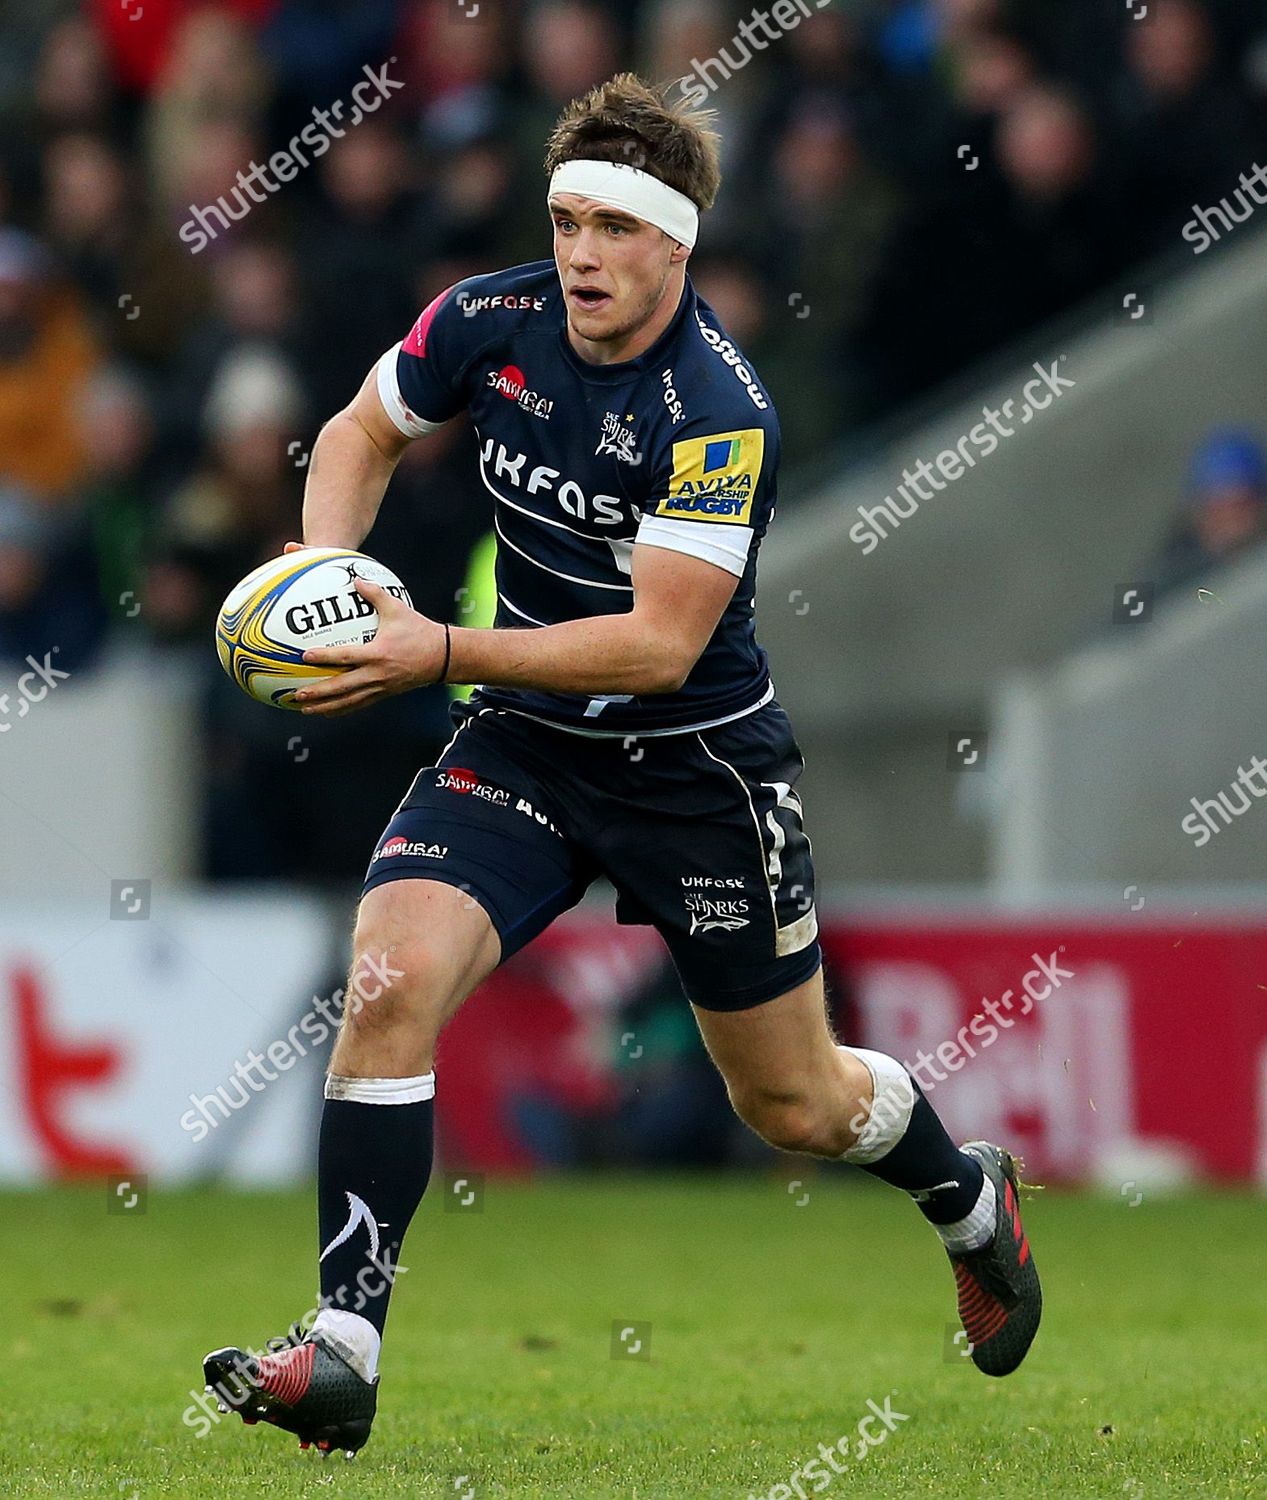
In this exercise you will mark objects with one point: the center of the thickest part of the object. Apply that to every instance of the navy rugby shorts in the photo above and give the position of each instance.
(700, 833)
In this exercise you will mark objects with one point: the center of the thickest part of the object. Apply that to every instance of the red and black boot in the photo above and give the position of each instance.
(1000, 1299)
(306, 1388)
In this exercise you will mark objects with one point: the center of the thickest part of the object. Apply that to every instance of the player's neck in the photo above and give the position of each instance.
(610, 352)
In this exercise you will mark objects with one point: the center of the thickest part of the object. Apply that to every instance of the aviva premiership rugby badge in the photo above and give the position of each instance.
(715, 478)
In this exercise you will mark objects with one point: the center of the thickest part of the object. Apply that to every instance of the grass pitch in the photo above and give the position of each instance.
(773, 1320)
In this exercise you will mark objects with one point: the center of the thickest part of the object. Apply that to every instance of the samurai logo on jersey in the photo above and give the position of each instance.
(511, 382)
(715, 478)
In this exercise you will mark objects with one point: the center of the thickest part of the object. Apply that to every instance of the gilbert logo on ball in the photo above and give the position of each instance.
(290, 605)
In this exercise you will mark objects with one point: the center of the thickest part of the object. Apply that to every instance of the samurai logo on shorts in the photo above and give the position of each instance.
(708, 909)
(398, 847)
(468, 784)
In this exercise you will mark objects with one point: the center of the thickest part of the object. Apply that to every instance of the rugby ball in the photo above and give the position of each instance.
(291, 605)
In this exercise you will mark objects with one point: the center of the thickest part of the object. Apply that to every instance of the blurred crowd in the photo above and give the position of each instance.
(909, 186)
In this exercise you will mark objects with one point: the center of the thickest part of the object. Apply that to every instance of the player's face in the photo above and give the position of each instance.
(615, 270)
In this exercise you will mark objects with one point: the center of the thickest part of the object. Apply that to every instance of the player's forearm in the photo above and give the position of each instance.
(601, 654)
(347, 478)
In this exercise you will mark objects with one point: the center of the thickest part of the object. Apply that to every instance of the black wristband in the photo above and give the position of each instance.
(448, 652)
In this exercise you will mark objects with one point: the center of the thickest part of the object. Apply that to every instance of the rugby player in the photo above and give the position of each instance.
(625, 726)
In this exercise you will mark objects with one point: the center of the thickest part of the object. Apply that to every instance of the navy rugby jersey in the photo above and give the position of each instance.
(677, 449)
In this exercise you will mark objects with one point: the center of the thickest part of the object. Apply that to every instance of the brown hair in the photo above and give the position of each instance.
(626, 120)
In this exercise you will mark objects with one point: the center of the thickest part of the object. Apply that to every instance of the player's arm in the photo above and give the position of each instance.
(355, 455)
(678, 600)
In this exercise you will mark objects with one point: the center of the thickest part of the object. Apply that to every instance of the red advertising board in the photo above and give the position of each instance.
(1082, 1044)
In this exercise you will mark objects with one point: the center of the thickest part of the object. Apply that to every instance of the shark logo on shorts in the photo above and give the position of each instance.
(713, 913)
(707, 924)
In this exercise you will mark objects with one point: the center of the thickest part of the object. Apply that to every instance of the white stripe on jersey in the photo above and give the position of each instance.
(515, 610)
(590, 583)
(531, 514)
(407, 422)
(631, 731)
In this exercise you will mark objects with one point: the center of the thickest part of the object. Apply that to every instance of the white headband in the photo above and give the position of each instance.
(634, 191)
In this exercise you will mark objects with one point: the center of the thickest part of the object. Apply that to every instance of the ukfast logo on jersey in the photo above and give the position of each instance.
(511, 382)
(472, 305)
(715, 478)
(501, 468)
(671, 398)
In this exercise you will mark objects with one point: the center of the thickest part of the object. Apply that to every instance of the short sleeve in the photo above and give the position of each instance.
(419, 379)
(712, 495)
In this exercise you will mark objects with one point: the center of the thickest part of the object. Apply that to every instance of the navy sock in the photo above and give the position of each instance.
(373, 1163)
(928, 1164)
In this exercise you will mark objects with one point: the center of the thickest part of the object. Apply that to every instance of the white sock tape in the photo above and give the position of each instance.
(353, 1336)
(381, 1090)
(893, 1099)
(634, 191)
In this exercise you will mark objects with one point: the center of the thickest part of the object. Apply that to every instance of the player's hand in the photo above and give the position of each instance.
(407, 652)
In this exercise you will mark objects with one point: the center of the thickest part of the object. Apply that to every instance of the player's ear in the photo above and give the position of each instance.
(679, 254)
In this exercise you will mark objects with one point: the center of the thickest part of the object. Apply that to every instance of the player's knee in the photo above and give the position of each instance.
(788, 1121)
(390, 981)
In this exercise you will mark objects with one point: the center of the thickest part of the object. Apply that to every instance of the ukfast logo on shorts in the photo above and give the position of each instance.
(511, 382)
(403, 848)
(715, 478)
(709, 910)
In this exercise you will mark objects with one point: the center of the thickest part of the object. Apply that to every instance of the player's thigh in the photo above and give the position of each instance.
(471, 867)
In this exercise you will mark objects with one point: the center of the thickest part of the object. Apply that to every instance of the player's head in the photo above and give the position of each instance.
(630, 174)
